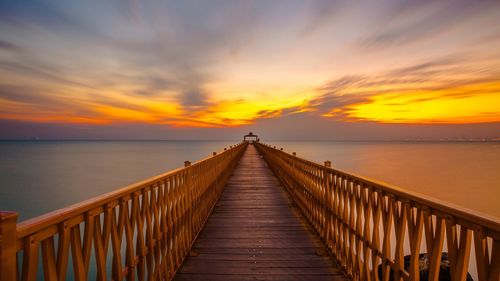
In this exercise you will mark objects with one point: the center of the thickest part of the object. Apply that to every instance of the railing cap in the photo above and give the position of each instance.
(8, 215)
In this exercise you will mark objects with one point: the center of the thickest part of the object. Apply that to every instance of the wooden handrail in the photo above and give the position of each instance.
(368, 225)
(142, 231)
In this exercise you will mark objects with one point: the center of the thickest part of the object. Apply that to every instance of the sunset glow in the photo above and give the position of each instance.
(195, 64)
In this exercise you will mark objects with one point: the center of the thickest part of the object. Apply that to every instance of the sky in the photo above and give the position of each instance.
(325, 70)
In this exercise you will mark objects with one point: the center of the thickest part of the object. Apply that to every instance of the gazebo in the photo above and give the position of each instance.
(252, 137)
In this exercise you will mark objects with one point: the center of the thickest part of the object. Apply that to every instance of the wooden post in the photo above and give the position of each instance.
(214, 153)
(8, 237)
(328, 164)
(187, 163)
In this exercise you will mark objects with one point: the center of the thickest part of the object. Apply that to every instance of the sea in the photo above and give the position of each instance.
(41, 176)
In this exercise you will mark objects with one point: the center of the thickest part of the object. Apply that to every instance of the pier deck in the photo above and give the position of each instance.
(256, 233)
(252, 212)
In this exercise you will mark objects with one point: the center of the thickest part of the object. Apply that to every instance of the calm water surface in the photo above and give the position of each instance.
(37, 177)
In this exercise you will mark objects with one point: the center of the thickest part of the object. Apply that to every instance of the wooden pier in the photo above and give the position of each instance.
(252, 212)
(256, 233)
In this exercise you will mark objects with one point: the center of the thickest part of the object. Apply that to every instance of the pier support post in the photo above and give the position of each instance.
(8, 237)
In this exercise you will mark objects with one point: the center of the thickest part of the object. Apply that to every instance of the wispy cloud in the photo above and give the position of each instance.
(418, 21)
(9, 46)
(235, 63)
(438, 91)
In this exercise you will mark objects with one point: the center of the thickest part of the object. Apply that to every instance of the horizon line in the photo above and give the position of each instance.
(496, 139)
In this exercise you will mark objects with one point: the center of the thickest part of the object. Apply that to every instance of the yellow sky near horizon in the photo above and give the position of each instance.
(209, 66)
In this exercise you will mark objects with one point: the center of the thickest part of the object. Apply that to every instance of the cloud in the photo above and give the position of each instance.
(419, 21)
(319, 13)
(203, 64)
(398, 94)
(162, 48)
(194, 98)
(9, 46)
(39, 71)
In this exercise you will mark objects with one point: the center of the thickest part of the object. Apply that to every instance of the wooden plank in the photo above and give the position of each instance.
(255, 232)
(262, 257)
(270, 277)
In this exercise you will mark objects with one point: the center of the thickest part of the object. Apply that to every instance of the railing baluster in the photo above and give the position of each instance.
(482, 257)
(76, 254)
(87, 239)
(115, 245)
(415, 227)
(49, 259)
(30, 258)
(63, 251)
(494, 271)
(100, 255)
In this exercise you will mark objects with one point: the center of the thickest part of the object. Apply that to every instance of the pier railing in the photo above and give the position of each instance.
(368, 226)
(140, 232)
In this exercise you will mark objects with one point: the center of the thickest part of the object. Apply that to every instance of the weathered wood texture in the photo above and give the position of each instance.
(256, 233)
(367, 225)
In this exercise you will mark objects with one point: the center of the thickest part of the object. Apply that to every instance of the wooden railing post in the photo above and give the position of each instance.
(8, 237)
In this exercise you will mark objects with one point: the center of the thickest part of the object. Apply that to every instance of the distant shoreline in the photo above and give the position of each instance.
(232, 140)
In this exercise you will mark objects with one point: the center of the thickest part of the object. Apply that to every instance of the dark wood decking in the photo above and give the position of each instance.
(255, 233)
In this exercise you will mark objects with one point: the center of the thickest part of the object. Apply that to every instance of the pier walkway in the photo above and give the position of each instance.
(253, 212)
(256, 233)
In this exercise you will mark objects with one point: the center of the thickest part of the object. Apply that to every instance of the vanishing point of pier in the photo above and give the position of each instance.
(253, 212)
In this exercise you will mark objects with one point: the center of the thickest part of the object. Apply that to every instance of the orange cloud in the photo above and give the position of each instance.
(444, 92)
